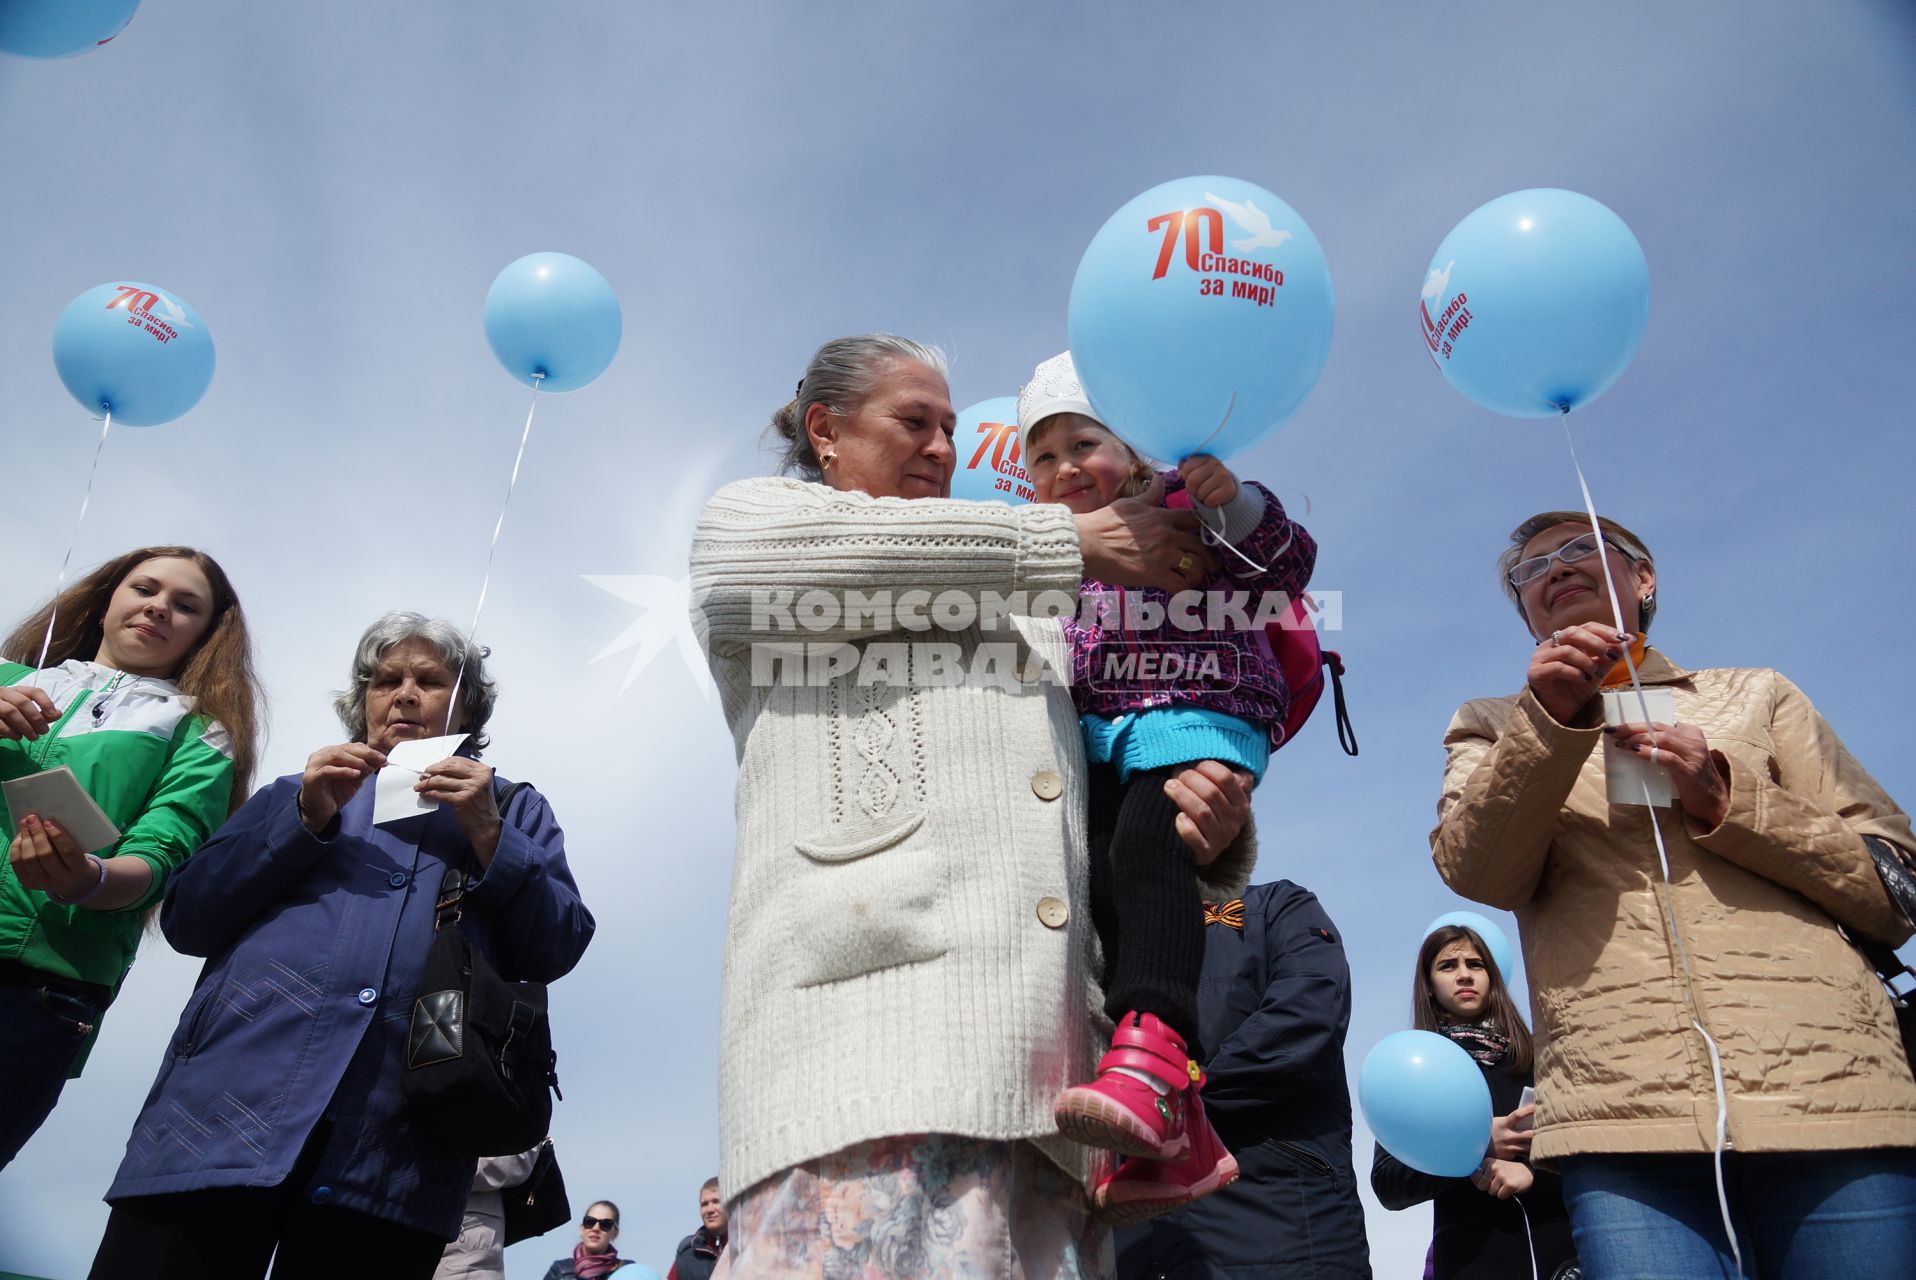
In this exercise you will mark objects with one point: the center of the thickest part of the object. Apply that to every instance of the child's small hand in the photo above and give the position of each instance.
(1208, 480)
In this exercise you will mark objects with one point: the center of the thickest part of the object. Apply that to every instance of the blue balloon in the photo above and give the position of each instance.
(134, 350)
(1485, 928)
(553, 321)
(1200, 317)
(637, 1271)
(1535, 303)
(61, 28)
(988, 454)
(1426, 1102)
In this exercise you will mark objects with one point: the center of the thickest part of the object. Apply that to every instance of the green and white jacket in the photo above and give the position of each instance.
(161, 773)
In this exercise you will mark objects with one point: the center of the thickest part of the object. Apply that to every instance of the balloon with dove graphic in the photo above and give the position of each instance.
(1534, 304)
(61, 28)
(1200, 317)
(990, 463)
(135, 351)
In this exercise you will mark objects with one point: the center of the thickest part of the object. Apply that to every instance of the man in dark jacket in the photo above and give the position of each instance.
(1273, 1006)
(699, 1252)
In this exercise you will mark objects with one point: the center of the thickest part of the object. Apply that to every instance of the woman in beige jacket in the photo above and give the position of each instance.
(1640, 980)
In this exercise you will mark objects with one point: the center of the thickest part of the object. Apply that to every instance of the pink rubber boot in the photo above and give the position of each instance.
(1143, 1189)
(1121, 1113)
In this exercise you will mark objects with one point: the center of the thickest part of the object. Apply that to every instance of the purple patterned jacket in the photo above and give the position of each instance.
(1141, 652)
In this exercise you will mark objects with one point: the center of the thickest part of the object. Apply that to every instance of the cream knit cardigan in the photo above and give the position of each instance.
(886, 969)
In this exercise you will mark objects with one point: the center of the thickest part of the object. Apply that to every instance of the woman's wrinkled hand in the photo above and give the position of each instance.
(1570, 664)
(1507, 1140)
(1135, 542)
(465, 787)
(45, 857)
(1701, 778)
(333, 776)
(25, 712)
(1214, 803)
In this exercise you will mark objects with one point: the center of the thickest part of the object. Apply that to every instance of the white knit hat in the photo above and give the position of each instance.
(1053, 389)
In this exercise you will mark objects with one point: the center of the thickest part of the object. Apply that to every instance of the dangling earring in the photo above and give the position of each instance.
(1646, 608)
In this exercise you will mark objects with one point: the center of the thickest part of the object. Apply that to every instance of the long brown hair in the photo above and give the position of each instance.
(1500, 1011)
(218, 671)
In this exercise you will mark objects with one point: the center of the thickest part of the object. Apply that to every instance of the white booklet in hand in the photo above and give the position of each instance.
(55, 794)
(1627, 774)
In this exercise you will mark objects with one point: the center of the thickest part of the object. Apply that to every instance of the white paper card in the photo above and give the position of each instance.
(1627, 773)
(393, 794)
(57, 795)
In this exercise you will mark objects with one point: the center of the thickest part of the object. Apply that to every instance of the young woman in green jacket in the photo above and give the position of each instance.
(147, 693)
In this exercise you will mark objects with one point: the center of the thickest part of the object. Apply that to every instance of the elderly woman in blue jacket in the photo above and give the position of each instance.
(276, 1120)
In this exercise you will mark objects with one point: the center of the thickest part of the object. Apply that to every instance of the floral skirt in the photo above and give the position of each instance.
(915, 1208)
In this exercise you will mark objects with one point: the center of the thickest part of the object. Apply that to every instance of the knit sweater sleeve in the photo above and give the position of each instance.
(775, 558)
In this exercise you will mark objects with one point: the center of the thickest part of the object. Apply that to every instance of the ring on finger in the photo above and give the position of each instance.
(1184, 563)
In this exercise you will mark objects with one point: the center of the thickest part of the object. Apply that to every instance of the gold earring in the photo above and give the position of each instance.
(825, 461)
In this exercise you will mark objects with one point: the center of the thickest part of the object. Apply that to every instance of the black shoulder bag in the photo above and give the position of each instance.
(1900, 883)
(538, 1204)
(480, 1068)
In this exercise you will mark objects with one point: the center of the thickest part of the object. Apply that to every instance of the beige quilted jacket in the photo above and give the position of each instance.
(1811, 1058)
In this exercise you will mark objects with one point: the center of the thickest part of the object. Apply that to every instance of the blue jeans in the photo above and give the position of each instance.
(1798, 1215)
(41, 1031)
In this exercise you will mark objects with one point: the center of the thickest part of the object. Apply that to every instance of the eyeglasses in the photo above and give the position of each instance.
(1581, 547)
(603, 1224)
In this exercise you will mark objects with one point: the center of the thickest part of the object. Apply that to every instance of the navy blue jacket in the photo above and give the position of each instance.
(314, 948)
(1275, 1000)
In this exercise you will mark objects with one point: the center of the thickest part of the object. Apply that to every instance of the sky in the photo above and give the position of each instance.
(334, 187)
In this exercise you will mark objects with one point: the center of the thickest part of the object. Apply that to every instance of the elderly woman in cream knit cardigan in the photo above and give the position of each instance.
(910, 971)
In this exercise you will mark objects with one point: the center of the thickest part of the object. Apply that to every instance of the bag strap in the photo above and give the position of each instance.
(452, 886)
(1346, 734)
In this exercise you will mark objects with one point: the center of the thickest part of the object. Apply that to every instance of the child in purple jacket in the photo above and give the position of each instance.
(1161, 682)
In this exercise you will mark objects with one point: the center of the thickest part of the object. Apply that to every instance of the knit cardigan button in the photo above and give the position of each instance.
(1052, 912)
(1046, 784)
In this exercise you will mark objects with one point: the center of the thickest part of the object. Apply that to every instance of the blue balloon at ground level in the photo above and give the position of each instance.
(61, 28)
(133, 350)
(1200, 317)
(552, 321)
(1486, 928)
(1426, 1102)
(990, 466)
(1535, 303)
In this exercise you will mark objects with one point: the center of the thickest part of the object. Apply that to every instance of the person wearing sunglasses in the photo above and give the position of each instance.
(1663, 941)
(595, 1254)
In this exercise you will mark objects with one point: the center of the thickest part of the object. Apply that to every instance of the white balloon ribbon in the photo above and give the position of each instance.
(86, 500)
(1663, 861)
(492, 549)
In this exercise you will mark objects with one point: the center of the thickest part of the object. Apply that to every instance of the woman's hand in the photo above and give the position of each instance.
(1503, 1178)
(333, 776)
(1214, 803)
(25, 712)
(1208, 480)
(1135, 542)
(45, 857)
(1570, 664)
(1507, 1140)
(465, 787)
(1702, 784)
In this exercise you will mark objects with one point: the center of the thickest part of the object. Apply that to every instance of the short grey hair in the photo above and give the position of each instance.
(478, 695)
(842, 376)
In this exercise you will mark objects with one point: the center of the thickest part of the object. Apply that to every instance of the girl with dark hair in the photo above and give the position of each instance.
(1486, 1226)
(139, 679)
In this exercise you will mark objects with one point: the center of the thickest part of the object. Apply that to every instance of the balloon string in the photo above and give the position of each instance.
(1663, 861)
(86, 500)
(485, 582)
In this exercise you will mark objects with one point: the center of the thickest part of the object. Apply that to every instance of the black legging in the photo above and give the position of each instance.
(1145, 902)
